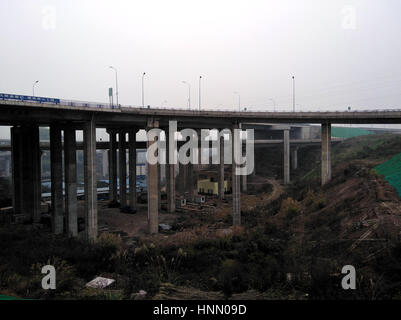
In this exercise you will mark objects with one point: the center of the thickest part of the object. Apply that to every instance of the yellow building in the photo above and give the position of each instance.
(208, 186)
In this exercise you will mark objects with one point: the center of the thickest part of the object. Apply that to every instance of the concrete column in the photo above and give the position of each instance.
(70, 186)
(16, 163)
(159, 177)
(221, 170)
(190, 180)
(90, 180)
(235, 183)
(122, 156)
(113, 189)
(170, 178)
(30, 187)
(56, 179)
(36, 174)
(326, 153)
(132, 167)
(182, 177)
(294, 158)
(244, 184)
(286, 156)
(153, 190)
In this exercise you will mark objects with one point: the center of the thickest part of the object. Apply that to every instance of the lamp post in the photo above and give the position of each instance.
(115, 70)
(293, 94)
(189, 94)
(274, 104)
(200, 78)
(33, 87)
(143, 90)
(239, 100)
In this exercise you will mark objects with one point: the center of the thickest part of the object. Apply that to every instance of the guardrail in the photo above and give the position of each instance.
(79, 103)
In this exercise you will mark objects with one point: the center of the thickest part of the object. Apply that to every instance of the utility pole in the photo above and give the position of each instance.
(115, 70)
(200, 77)
(143, 90)
(293, 94)
(33, 87)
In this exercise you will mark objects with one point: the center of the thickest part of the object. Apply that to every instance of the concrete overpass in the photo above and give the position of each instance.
(26, 117)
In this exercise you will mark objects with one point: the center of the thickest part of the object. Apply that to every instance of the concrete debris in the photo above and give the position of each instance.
(164, 226)
(100, 283)
(140, 295)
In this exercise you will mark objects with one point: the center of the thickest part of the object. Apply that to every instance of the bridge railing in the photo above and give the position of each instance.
(102, 105)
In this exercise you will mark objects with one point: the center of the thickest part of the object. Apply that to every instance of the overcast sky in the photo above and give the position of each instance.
(342, 53)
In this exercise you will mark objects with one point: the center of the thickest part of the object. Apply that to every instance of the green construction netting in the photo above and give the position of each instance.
(4, 297)
(346, 132)
(391, 170)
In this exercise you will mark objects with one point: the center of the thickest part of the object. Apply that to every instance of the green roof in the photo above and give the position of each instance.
(346, 132)
(391, 170)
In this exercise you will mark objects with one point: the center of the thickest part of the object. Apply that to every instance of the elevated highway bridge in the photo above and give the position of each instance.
(25, 115)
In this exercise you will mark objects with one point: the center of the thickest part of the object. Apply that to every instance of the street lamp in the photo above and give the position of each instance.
(143, 90)
(200, 77)
(239, 100)
(33, 87)
(189, 94)
(111, 67)
(293, 94)
(274, 103)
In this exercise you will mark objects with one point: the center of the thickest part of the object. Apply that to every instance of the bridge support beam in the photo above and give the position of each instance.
(159, 185)
(153, 184)
(170, 176)
(190, 180)
(236, 192)
(132, 167)
(294, 158)
(122, 156)
(56, 179)
(26, 171)
(286, 156)
(182, 179)
(221, 168)
(90, 180)
(326, 153)
(113, 189)
(70, 175)
(244, 181)
(16, 163)
(35, 176)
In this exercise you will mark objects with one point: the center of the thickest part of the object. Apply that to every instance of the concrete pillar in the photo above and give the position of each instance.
(182, 179)
(16, 164)
(70, 186)
(159, 177)
(56, 179)
(153, 190)
(113, 189)
(235, 182)
(122, 156)
(90, 180)
(36, 174)
(30, 172)
(190, 180)
(244, 184)
(326, 153)
(170, 178)
(132, 167)
(286, 156)
(294, 158)
(221, 169)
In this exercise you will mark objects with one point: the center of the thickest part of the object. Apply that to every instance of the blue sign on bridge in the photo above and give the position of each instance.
(7, 96)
